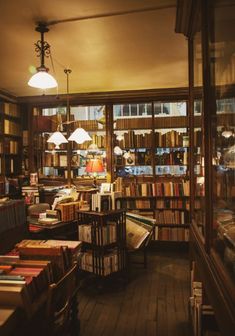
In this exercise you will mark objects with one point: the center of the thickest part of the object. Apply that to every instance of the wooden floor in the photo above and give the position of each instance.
(153, 302)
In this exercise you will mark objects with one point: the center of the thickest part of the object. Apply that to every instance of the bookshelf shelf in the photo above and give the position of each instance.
(104, 237)
(173, 225)
(10, 145)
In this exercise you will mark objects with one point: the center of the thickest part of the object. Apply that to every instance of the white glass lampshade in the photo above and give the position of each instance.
(42, 80)
(79, 136)
(57, 138)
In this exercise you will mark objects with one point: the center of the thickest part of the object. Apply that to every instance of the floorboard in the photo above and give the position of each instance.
(149, 302)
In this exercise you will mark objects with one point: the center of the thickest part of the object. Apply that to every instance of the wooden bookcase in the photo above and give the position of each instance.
(152, 147)
(10, 145)
(104, 241)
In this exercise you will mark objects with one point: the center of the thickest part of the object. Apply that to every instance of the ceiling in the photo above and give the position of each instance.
(136, 49)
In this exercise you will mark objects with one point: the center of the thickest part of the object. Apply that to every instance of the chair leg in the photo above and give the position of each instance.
(75, 322)
(145, 258)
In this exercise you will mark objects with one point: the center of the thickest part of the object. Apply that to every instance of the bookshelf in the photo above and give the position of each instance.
(10, 145)
(104, 241)
(167, 202)
(153, 146)
(52, 162)
(143, 143)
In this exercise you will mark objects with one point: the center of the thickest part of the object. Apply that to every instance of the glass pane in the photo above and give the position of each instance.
(54, 158)
(198, 141)
(170, 109)
(223, 60)
(132, 139)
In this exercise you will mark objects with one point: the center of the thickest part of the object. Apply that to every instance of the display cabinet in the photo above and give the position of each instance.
(208, 26)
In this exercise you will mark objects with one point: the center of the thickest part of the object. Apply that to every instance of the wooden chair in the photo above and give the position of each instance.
(61, 309)
(37, 208)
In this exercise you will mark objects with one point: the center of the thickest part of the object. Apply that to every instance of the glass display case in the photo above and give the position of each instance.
(209, 26)
(222, 56)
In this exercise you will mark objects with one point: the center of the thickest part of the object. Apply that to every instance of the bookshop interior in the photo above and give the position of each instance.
(117, 167)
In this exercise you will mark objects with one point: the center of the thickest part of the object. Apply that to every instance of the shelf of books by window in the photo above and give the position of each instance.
(52, 161)
(171, 139)
(133, 139)
(172, 210)
(151, 146)
(167, 202)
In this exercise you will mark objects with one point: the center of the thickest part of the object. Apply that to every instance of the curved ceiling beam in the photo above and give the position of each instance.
(103, 15)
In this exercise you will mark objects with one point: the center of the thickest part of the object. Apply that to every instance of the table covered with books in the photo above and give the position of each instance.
(27, 272)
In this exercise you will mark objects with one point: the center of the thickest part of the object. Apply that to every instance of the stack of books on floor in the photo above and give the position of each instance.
(202, 315)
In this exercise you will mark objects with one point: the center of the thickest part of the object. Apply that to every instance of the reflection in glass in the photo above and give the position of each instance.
(222, 61)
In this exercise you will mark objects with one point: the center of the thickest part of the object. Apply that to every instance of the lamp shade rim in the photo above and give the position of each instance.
(42, 80)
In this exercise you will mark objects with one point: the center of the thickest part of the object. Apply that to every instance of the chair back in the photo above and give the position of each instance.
(59, 303)
(37, 208)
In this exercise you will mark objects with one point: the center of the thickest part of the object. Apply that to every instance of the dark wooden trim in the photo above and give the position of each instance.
(5, 96)
(218, 294)
(191, 123)
(109, 142)
(114, 97)
(187, 17)
(32, 168)
(207, 124)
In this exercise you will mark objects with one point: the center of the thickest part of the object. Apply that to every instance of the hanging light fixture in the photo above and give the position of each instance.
(57, 138)
(42, 79)
(79, 136)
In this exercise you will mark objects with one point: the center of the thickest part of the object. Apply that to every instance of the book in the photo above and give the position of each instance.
(14, 296)
(48, 221)
(135, 234)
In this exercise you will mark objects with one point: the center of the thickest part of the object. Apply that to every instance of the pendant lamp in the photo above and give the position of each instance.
(42, 79)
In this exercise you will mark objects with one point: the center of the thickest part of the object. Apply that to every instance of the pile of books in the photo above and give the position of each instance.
(61, 253)
(22, 281)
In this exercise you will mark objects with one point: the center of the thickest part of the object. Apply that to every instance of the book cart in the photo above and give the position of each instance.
(104, 241)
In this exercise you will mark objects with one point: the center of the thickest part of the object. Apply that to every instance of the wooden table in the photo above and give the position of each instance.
(65, 230)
